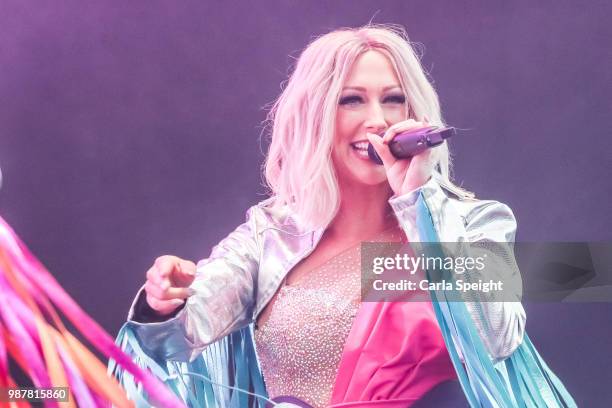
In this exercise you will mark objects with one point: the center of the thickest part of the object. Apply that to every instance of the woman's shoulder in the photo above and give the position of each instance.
(472, 208)
(271, 213)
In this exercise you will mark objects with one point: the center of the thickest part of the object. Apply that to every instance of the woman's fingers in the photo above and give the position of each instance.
(168, 282)
(183, 274)
(406, 174)
(173, 271)
(383, 151)
(167, 294)
(154, 276)
(403, 126)
(165, 265)
(164, 307)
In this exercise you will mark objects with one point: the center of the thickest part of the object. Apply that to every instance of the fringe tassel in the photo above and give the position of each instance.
(521, 380)
(226, 374)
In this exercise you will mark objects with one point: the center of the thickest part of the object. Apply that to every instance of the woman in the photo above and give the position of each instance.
(292, 268)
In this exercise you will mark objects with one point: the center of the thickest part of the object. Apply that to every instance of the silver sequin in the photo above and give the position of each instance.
(301, 343)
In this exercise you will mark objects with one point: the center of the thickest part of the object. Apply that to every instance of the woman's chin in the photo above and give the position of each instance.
(362, 170)
(370, 177)
(375, 180)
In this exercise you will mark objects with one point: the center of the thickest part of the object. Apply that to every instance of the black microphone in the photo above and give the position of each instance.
(413, 142)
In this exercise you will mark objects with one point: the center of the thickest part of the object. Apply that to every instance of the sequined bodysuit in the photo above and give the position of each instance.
(300, 344)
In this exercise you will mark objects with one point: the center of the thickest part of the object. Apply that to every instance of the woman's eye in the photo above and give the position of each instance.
(350, 100)
(395, 99)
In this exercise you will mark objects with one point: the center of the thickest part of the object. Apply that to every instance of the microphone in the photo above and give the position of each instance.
(413, 142)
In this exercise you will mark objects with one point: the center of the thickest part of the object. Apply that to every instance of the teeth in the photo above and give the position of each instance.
(360, 145)
(361, 152)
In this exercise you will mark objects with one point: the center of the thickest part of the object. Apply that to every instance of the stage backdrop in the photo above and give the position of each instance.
(130, 130)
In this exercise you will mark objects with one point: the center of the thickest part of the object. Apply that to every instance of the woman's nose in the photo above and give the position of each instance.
(375, 122)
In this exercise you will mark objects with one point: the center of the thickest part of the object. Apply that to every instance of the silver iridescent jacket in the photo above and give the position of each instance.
(245, 269)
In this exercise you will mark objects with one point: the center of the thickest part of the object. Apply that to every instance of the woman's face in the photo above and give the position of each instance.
(371, 100)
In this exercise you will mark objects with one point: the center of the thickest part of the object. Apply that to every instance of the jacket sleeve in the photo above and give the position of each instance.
(480, 228)
(222, 301)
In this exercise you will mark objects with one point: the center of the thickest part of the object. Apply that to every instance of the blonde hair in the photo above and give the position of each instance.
(298, 168)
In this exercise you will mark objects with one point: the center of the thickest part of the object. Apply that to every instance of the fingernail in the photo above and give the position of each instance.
(191, 291)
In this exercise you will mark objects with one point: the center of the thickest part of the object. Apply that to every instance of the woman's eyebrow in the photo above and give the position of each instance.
(362, 89)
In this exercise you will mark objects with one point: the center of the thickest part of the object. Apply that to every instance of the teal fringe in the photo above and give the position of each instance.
(230, 361)
(521, 380)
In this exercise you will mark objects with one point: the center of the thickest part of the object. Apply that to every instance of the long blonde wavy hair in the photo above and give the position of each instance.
(298, 167)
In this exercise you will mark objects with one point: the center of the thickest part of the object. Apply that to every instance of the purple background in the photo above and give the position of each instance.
(128, 131)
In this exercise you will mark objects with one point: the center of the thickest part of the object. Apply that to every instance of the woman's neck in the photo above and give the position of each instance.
(364, 212)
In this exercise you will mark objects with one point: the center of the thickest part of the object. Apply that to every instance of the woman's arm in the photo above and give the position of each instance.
(488, 228)
(222, 300)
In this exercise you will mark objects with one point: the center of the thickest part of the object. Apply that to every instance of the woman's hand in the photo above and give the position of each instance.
(168, 282)
(404, 175)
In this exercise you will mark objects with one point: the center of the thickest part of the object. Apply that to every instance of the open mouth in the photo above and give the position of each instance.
(361, 148)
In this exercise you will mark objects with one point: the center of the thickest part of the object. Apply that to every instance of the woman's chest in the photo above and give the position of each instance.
(329, 268)
(301, 333)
